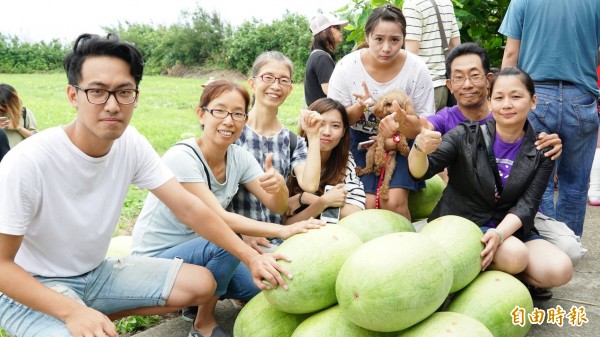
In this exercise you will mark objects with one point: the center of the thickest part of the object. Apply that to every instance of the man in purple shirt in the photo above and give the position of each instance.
(468, 78)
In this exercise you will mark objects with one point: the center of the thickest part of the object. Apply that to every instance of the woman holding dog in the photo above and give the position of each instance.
(496, 179)
(367, 74)
(338, 169)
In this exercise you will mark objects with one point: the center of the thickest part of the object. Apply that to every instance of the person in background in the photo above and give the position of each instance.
(339, 169)
(16, 120)
(62, 192)
(363, 76)
(264, 134)
(501, 197)
(594, 191)
(562, 68)
(211, 167)
(4, 146)
(327, 34)
(423, 38)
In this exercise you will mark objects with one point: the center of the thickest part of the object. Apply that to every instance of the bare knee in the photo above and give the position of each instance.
(194, 285)
(511, 257)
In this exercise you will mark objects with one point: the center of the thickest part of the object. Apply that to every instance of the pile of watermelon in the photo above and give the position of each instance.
(373, 275)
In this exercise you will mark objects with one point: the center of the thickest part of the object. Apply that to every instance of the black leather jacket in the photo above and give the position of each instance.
(471, 185)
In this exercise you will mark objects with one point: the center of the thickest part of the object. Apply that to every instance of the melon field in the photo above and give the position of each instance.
(396, 283)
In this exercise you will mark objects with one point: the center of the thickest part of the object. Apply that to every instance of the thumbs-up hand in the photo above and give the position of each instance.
(428, 141)
(272, 181)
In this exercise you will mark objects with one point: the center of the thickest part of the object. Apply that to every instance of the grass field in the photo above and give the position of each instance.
(165, 115)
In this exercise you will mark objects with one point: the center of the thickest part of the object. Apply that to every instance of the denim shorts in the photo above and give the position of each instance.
(115, 285)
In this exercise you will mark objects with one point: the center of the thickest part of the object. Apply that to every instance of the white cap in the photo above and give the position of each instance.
(323, 21)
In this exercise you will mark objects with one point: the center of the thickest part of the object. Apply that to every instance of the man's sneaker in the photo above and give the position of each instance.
(189, 313)
(539, 293)
(217, 332)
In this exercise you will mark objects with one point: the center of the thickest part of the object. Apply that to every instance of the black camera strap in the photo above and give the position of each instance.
(201, 161)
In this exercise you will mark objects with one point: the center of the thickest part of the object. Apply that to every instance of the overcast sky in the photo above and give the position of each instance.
(35, 20)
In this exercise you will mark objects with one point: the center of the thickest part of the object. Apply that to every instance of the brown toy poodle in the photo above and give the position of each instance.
(376, 154)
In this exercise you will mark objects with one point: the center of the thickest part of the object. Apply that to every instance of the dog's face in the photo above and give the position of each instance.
(384, 103)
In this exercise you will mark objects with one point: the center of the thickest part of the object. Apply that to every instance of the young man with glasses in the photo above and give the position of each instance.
(62, 193)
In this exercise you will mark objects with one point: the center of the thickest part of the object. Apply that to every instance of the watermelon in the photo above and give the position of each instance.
(394, 281)
(447, 324)
(491, 298)
(258, 318)
(317, 257)
(421, 203)
(371, 223)
(331, 323)
(461, 238)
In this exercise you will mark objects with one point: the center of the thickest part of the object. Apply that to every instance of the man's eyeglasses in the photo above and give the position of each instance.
(285, 81)
(101, 96)
(222, 114)
(460, 80)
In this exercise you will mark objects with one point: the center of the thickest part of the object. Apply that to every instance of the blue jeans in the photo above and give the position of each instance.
(115, 285)
(571, 113)
(233, 278)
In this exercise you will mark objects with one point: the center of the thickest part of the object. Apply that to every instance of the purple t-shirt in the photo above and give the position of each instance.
(506, 153)
(448, 118)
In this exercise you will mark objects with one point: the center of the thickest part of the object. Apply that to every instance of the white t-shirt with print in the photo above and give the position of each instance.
(413, 79)
(65, 203)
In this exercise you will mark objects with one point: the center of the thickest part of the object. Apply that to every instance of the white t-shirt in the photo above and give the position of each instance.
(413, 79)
(67, 204)
(157, 228)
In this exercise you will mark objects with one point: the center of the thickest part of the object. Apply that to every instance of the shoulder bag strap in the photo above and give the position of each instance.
(490, 152)
(441, 28)
(201, 161)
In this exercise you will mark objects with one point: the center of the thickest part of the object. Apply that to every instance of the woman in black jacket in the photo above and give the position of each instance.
(498, 182)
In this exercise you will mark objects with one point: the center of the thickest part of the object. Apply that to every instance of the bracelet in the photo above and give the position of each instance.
(417, 147)
(300, 199)
(498, 233)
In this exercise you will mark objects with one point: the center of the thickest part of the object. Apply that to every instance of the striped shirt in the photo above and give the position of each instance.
(422, 25)
(244, 202)
(356, 192)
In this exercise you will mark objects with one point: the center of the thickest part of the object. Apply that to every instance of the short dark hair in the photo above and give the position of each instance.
(520, 74)
(385, 13)
(95, 45)
(467, 48)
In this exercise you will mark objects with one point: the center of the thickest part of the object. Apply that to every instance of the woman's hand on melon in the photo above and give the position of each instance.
(491, 242)
(300, 227)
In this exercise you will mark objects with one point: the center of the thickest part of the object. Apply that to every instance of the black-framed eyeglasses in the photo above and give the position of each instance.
(460, 80)
(337, 27)
(101, 96)
(285, 81)
(222, 114)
